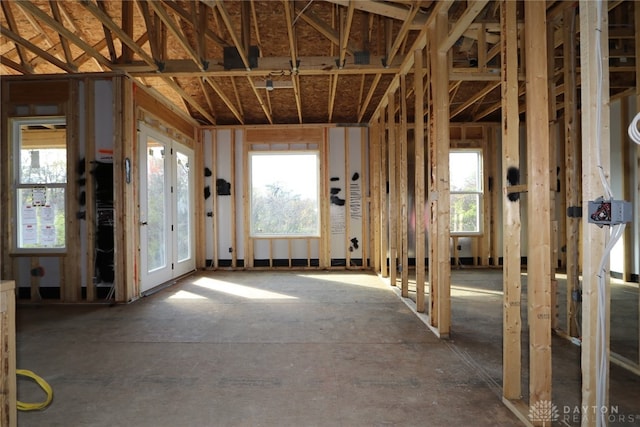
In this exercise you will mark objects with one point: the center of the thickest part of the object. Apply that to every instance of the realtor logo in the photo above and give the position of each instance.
(543, 411)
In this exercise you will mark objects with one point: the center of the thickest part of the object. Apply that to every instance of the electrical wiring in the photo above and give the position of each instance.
(22, 406)
(634, 132)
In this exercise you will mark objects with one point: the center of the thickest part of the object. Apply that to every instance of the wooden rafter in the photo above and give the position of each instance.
(496, 106)
(293, 50)
(385, 9)
(473, 99)
(177, 33)
(123, 36)
(107, 33)
(13, 65)
(472, 11)
(267, 111)
(36, 50)
(199, 14)
(21, 50)
(345, 30)
(237, 95)
(55, 10)
(391, 53)
(225, 99)
(255, 24)
(227, 22)
(319, 25)
(186, 97)
(153, 33)
(186, 16)
(85, 57)
(127, 27)
(56, 26)
(207, 97)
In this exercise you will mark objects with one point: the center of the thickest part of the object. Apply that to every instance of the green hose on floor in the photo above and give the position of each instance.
(43, 385)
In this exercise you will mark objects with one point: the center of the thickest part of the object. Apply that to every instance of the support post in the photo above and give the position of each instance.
(402, 170)
(440, 260)
(594, 34)
(538, 206)
(393, 190)
(572, 167)
(511, 320)
(419, 178)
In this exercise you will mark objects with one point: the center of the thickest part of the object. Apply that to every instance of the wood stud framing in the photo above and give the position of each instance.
(595, 137)
(511, 321)
(434, 84)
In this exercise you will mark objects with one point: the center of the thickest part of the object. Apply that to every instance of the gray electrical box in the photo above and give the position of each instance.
(609, 212)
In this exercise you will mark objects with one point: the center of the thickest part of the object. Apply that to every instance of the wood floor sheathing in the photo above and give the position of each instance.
(222, 348)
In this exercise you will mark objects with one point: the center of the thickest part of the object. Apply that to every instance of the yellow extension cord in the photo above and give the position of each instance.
(43, 385)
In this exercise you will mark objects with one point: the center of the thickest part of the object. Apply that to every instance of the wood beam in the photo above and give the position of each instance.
(595, 145)
(393, 190)
(225, 99)
(475, 97)
(538, 206)
(511, 280)
(345, 30)
(319, 25)
(186, 17)
(107, 34)
(391, 53)
(14, 65)
(36, 50)
(153, 32)
(127, 21)
(419, 177)
(177, 33)
(439, 233)
(384, 9)
(55, 10)
(186, 97)
(383, 204)
(115, 28)
(408, 61)
(265, 109)
(374, 149)
(20, 48)
(227, 22)
(295, 79)
(472, 11)
(256, 29)
(572, 167)
(404, 190)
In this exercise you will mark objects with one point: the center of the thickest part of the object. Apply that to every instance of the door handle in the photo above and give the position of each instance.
(143, 222)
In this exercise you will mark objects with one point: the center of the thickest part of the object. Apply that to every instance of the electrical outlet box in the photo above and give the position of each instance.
(609, 212)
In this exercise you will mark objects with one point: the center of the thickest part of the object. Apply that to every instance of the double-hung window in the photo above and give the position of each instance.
(40, 182)
(465, 178)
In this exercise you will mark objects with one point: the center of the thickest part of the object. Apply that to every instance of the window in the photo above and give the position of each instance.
(40, 162)
(285, 194)
(465, 178)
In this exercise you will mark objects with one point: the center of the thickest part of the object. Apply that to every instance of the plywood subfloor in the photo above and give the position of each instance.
(251, 349)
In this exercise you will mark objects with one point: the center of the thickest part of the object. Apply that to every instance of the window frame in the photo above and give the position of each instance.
(17, 185)
(479, 192)
(314, 152)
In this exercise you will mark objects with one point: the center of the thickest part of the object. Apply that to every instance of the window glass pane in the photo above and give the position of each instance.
(156, 238)
(284, 194)
(41, 219)
(464, 171)
(465, 213)
(43, 154)
(183, 207)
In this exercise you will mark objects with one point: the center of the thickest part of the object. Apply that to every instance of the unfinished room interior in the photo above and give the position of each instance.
(319, 213)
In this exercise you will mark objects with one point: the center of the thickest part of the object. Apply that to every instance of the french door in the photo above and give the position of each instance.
(167, 243)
